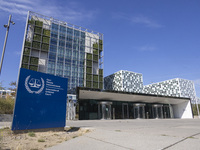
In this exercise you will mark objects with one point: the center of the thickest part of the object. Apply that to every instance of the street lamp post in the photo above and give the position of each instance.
(4, 46)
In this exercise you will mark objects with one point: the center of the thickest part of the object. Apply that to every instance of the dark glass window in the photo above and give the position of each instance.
(54, 27)
(68, 45)
(54, 41)
(62, 29)
(61, 43)
(52, 55)
(53, 48)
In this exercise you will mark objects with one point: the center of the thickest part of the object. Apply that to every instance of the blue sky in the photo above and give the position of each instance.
(160, 39)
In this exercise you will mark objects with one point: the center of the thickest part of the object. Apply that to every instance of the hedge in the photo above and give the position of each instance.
(36, 45)
(45, 39)
(25, 59)
(34, 68)
(46, 32)
(38, 30)
(34, 61)
(89, 56)
(27, 51)
(38, 23)
(6, 105)
(89, 63)
(37, 37)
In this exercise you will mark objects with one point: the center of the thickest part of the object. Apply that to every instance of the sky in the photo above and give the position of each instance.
(158, 38)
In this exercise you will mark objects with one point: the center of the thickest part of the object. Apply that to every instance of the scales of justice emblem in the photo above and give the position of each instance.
(34, 85)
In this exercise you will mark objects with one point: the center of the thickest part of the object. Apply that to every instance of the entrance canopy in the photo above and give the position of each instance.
(128, 97)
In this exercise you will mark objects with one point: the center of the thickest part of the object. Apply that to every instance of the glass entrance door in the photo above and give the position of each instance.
(139, 111)
(166, 111)
(157, 111)
(125, 112)
(104, 110)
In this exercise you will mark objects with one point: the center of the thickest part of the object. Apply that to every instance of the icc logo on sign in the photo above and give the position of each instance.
(33, 85)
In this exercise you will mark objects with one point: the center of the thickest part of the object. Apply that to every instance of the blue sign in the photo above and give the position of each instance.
(40, 102)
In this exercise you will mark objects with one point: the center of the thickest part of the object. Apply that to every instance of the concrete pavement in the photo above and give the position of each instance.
(5, 124)
(135, 134)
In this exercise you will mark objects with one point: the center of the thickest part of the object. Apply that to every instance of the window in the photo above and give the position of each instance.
(54, 27)
(53, 48)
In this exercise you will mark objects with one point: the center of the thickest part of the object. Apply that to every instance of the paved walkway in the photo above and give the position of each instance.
(5, 124)
(150, 134)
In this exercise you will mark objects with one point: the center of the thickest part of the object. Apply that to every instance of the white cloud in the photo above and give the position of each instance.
(70, 12)
(145, 48)
(146, 21)
(137, 19)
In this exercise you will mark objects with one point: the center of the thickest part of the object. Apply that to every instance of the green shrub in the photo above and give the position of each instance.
(46, 32)
(7, 105)
(100, 41)
(34, 61)
(27, 44)
(31, 134)
(95, 45)
(101, 79)
(89, 77)
(37, 37)
(27, 51)
(45, 47)
(88, 84)
(41, 140)
(89, 63)
(101, 72)
(36, 45)
(95, 85)
(95, 58)
(25, 59)
(31, 21)
(38, 30)
(100, 85)
(89, 56)
(194, 109)
(34, 68)
(101, 47)
(95, 78)
(25, 66)
(45, 39)
(38, 23)
(88, 70)
(95, 51)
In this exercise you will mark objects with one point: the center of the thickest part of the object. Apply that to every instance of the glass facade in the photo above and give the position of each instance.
(95, 109)
(62, 49)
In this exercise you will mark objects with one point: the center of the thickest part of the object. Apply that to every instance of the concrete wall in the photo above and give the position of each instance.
(182, 110)
(6, 117)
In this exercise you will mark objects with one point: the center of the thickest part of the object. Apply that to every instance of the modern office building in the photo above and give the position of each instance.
(107, 104)
(63, 49)
(126, 81)
(125, 97)
(174, 87)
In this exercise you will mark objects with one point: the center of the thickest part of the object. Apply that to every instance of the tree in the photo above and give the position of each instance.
(13, 87)
(1, 86)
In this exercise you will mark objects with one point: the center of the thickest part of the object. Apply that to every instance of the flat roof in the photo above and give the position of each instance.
(84, 94)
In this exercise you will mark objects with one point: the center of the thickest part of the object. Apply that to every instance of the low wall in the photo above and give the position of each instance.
(6, 117)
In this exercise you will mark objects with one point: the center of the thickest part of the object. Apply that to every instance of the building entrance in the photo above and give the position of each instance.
(166, 111)
(157, 110)
(139, 111)
(125, 112)
(104, 110)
